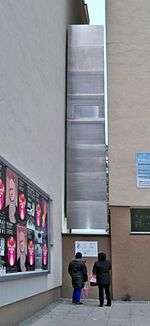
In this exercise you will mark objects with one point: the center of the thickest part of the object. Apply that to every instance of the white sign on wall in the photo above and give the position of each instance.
(87, 248)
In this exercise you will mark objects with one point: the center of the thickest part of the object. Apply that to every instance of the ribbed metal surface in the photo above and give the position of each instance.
(86, 162)
(94, 60)
(85, 158)
(86, 36)
(85, 83)
(80, 132)
(87, 214)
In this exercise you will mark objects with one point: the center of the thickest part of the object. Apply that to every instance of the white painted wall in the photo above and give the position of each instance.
(32, 106)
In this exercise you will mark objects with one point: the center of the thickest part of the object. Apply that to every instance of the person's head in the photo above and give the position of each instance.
(12, 190)
(101, 256)
(78, 255)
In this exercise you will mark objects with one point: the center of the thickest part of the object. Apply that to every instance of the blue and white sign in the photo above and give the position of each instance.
(143, 170)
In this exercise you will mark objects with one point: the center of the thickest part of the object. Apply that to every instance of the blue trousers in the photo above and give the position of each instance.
(76, 295)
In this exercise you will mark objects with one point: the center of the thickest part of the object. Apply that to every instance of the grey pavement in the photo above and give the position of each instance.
(64, 313)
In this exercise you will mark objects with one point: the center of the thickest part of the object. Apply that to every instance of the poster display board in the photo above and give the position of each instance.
(143, 170)
(87, 248)
(24, 215)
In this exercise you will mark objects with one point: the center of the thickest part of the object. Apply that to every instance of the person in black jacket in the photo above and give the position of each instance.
(101, 269)
(78, 272)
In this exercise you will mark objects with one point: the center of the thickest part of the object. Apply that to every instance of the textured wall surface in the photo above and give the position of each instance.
(68, 255)
(128, 61)
(32, 107)
(130, 258)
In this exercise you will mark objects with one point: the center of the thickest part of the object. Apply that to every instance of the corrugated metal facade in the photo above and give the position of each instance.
(86, 156)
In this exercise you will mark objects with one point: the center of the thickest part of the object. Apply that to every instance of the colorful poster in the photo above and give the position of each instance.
(44, 255)
(38, 210)
(11, 195)
(2, 186)
(21, 248)
(30, 250)
(44, 206)
(23, 224)
(22, 200)
(10, 254)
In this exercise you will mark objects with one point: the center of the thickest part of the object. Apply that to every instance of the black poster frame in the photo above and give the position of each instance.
(43, 202)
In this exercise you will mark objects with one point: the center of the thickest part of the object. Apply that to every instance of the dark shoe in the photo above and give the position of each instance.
(108, 305)
(79, 302)
(100, 305)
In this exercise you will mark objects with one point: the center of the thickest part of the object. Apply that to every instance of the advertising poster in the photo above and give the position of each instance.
(30, 250)
(38, 210)
(38, 236)
(2, 223)
(44, 253)
(21, 248)
(22, 200)
(11, 254)
(2, 246)
(11, 195)
(38, 256)
(2, 186)
(30, 207)
(44, 206)
(23, 224)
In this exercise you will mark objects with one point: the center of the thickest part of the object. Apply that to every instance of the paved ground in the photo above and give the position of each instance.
(64, 313)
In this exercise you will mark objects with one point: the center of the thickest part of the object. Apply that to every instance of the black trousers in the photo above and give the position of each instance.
(101, 294)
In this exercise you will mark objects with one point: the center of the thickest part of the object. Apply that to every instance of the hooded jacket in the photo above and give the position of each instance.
(78, 272)
(101, 269)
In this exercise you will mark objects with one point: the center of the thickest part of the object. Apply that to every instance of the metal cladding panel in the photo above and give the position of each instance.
(85, 132)
(83, 112)
(89, 99)
(86, 58)
(86, 186)
(85, 83)
(85, 35)
(80, 107)
(80, 213)
(85, 159)
(86, 155)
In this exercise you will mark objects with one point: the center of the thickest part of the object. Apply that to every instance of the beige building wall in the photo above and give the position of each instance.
(69, 253)
(128, 65)
(128, 49)
(130, 258)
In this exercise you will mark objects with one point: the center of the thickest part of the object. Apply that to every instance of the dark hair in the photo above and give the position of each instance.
(101, 256)
(78, 255)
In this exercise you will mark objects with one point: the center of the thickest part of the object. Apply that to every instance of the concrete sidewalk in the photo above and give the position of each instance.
(64, 313)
